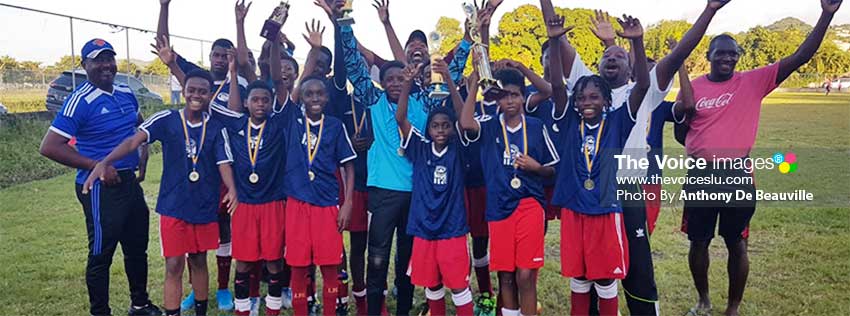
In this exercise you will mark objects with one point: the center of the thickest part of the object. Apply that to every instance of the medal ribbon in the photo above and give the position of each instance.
(252, 153)
(311, 152)
(589, 161)
(357, 126)
(197, 152)
(524, 139)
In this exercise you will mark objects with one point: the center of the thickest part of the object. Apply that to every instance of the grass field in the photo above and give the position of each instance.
(800, 258)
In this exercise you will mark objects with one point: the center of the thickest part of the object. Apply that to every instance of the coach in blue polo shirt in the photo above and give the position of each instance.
(101, 114)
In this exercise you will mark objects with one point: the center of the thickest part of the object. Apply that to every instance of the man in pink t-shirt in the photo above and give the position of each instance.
(724, 124)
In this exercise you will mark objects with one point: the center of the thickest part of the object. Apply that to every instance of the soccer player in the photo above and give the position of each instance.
(516, 154)
(724, 126)
(100, 114)
(437, 217)
(196, 160)
(594, 251)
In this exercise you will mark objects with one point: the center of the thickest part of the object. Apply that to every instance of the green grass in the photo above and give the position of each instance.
(800, 258)
(23, 101)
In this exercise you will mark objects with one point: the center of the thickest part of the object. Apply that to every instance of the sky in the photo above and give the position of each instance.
(39, 37)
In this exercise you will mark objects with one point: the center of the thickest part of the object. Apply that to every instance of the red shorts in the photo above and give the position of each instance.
(517, 241)
(684, 228)
(593, 246)
(653, 206)
(359, 214)
(476, 205)
(258, 231)
(435, 262)
(179, 237)
(312, 236)
(552, 211)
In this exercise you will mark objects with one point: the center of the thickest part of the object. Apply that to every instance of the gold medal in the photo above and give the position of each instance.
(311, 175)
(311, 152)
(194, 176)
(254, 178)
(589, 184)
(516, 183)
(254, 152)
(400, 152)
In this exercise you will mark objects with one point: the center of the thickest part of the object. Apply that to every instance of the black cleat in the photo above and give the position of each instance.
(148, 310)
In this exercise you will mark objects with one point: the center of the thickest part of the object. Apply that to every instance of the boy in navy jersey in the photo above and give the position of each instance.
(196, 159)
(512, 149)
(593, 244)
(437, 217)
(317, 146)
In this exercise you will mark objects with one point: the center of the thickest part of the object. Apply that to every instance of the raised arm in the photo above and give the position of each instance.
(281, 91)
(241, 43)
(685, 103)
(810, 46)
(568, 52)
(467, 115)
(162, 23)
(315, 32)
(410, 73)
(544, 88)
(667, 66)
(358, 72)
(555, 30)
(633, 31)
(383, 7)
(166, 54)
(234, 102)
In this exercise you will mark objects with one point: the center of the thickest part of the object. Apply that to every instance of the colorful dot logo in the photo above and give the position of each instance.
(787, 162)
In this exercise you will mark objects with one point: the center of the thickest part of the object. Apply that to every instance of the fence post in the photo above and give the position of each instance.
(73, 55)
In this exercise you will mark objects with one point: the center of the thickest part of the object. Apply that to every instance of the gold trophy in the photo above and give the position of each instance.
(438, 83)
(346, 18)
(272, 26)
(487, 82)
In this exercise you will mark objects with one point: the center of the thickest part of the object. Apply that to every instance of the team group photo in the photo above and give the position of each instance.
(521, 157)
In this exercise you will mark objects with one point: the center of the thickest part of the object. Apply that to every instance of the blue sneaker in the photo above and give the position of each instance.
(286, 298)
(224, 299)
(255, 306)
(189, 302)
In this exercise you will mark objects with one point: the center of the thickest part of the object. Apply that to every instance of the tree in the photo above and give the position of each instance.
(451, 33)
(66, 63)
(156, 67)
(656, 46)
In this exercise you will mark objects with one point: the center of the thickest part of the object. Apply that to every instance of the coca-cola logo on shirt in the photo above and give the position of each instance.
(723, 100)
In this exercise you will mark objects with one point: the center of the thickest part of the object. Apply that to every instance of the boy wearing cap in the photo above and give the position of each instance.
(100, 114)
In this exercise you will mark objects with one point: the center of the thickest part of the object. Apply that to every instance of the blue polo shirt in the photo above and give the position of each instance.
(386, 169)
(100, 121)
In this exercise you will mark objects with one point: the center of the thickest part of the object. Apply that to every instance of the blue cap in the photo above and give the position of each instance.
(94, 47)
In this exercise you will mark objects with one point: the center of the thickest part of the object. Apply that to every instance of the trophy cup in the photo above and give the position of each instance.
(272, 26)
(346, 18)
(438, 83)
(487, 82)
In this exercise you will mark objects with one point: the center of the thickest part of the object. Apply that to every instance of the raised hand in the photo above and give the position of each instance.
(601, 26)
(485, 15)
(632, 28)
(830, 6)
(411, 72)
(383, 7)
(314, 33)
(241, 10)
(164, 51)
(555, 27)
(441, 67)
(231, 60)
(717, 4)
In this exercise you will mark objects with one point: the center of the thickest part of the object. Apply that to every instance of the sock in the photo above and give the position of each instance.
(286, 275)
(200, 308)
(311, 281)
(510, 312)
(579, 297)
(482, 274)
(172, 312)
(223, 271)
(330, 292)
(256, 275)
(463, 303)
(607, 299)
(299, 290)
(273, 300)
(240, 286)
(436, 301)
(360, 300)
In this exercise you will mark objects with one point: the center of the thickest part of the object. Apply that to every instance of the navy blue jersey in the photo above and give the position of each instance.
(437, 208)
(545, 112)
(220, 88)
(334, 149)
(570, 191)
(498, 164)
(100, 121)
(655, 134)
(193, 202)
(474, 175)
(271, 156)
(347, 112)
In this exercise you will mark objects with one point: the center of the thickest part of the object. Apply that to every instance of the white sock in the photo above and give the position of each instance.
(510, 312)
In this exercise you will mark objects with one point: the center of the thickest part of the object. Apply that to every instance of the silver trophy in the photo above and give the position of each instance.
(487, 82)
